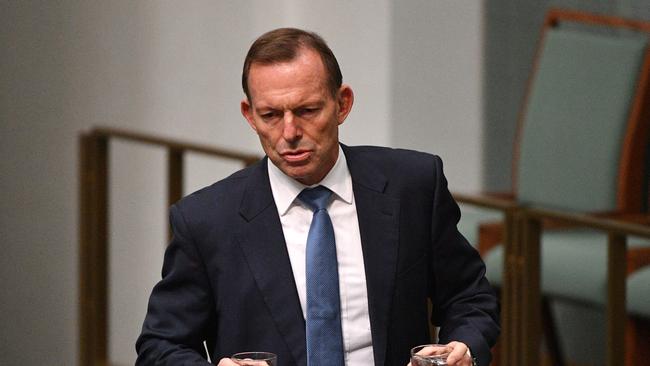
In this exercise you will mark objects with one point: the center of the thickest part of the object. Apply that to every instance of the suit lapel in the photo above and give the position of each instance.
(263, 245)
(378, 215)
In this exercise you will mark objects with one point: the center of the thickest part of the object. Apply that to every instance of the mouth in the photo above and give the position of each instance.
(297, 156)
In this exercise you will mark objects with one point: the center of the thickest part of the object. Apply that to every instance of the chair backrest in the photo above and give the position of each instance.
(583, 129)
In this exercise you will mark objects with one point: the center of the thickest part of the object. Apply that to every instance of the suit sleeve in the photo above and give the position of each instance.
(180, 307)
(465, 306)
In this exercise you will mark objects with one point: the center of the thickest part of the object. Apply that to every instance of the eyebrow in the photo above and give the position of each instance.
(307, 104)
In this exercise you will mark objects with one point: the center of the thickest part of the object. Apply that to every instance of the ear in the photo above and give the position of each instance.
(247, 112)
(345, 102)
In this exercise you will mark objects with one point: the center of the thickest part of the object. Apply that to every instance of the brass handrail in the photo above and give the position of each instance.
(93, 223)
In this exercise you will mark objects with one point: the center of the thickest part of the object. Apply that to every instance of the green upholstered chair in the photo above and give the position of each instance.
(638, 290)
(581, 137)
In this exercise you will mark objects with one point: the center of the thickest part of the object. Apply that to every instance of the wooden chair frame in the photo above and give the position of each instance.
(630, 182)
(520, 328)
(629, 199)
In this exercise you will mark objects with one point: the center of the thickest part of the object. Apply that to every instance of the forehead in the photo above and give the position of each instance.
(304, 75)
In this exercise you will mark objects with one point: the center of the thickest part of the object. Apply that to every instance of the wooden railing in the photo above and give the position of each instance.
(93, 224)
(521, 289)
(617, 230)
(521, 281)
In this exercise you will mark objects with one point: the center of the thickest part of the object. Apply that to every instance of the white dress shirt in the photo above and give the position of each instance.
(296, 219)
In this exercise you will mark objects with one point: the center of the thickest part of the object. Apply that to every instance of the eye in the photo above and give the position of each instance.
(306, 112)
(267, 116)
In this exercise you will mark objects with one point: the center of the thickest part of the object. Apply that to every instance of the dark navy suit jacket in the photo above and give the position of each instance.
(227, 278)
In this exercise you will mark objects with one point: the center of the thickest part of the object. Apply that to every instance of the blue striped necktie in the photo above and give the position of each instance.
(324, 335)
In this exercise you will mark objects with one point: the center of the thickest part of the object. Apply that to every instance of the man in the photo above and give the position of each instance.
(249, 267)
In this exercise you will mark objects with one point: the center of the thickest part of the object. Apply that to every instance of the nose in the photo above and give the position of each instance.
(291, 131)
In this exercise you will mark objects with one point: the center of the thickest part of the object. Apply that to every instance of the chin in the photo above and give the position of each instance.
(296, 171)
(299, 175)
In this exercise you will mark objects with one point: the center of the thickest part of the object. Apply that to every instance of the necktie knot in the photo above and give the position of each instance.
(316, 198)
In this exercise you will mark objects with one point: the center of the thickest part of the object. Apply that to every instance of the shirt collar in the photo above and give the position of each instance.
(285, 189)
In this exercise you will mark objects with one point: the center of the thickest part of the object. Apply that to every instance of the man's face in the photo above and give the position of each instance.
(295, 115)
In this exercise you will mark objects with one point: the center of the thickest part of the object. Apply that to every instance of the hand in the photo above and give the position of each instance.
(227, 362)
(247, 362)
(458, 356)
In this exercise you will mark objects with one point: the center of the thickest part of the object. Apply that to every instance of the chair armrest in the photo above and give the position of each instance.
(491, 233)
(636, 257)
(633, 218)
(627, 223)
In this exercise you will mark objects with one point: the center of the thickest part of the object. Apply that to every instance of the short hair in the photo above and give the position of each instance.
(284, 45)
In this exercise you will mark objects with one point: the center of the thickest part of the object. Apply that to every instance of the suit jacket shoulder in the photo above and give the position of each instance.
(405, 170)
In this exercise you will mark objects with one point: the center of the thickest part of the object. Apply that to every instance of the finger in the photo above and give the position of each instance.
(249, 362)
(433, 350)
(459, 351)
(465, 360)
(424, 351)
(226, 362)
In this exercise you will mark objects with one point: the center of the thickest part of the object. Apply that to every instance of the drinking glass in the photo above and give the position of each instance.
(255, 359)
(430, 355)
